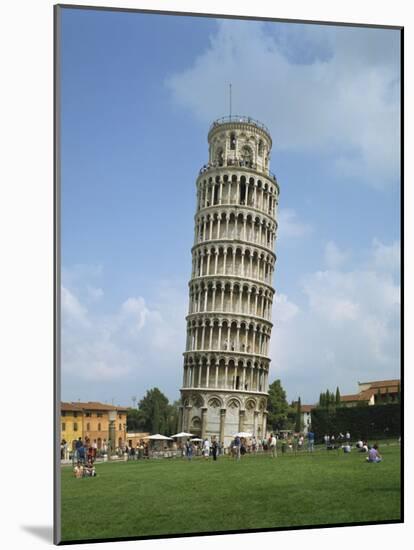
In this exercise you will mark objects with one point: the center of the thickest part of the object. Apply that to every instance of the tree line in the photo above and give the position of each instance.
(155, 414)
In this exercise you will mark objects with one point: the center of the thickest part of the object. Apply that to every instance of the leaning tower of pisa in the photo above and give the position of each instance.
(226, 360)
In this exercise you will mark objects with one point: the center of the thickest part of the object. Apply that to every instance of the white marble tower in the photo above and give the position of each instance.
(226, 361)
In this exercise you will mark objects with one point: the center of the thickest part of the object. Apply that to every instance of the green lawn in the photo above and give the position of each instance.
(156, 497)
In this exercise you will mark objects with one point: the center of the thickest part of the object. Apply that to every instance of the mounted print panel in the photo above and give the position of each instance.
(228, 328)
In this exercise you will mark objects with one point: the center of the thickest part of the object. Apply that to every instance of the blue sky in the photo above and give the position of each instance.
(139, 92)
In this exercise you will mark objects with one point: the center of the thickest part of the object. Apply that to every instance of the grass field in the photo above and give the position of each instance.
(156, 497)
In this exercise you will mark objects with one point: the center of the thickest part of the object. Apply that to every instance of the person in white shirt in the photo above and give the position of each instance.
(206, 448)
(273, 445)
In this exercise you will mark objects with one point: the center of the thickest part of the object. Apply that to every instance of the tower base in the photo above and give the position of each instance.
(221, 414)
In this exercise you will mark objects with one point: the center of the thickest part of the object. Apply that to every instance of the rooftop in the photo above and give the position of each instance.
(307, 408)
(239, 118)
(91, 406)
(381, 383)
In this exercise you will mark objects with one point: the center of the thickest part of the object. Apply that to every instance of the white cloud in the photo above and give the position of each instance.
(72, 309)
(134, 345)
(348, 330)
(94, 293)
(334, 257)
(285, 311)
(386, 257)
(289, 226)
(343, 101)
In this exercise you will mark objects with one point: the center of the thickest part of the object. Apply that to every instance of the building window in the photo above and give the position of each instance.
(120, 416)
(120, 427)
(63, 413)
(99, 415)
(88, 415)
(233, 141)
(63, 426)
(75, 426)
(99, 427)
(88, 426)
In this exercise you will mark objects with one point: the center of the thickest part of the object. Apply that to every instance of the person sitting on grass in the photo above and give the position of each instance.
(78, 470)
(89, 469)
(373, 454)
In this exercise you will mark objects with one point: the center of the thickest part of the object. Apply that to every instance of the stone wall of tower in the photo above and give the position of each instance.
(226, 360)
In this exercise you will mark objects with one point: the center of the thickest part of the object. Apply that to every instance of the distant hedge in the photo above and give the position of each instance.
(365, 422)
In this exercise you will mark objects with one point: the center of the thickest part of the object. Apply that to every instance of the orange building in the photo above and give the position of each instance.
(91, 421)
(71, 423)
(373, 393)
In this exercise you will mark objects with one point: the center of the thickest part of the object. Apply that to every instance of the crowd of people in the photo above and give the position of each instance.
(85, 452)
(83, 458)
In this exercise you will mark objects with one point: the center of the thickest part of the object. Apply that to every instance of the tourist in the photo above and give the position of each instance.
(295, 442)
(300, 442)
(63, 446)
(78, 470)
(78, 445)
(89, 470)
(146, 450)
(254, 444)
(346, 447)
(273, 446)
(311, 440)
(243, 446)
(348, 437)
(206, 448)
(373, 454)
(90, 453)
(326, 439)
(189, 449)
(215, 446)
(237, 444)
(140, 450)
(81, 453)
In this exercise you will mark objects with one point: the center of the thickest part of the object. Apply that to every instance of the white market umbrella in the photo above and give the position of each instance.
(183, 434)
(242, 434)
(196, 439)
(158, 437)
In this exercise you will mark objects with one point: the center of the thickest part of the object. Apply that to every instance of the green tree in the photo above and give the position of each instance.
(298, 422)
(337, 397)
(155, 410)
(135, 420)
(277, 406)
(172, 417)
(322, 400)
